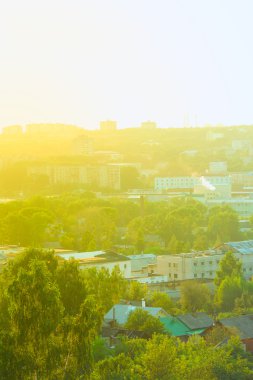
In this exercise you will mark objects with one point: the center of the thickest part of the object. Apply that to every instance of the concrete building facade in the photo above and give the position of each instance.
(204, 264)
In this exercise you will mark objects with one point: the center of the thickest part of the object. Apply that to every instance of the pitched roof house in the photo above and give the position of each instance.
(243, 326)
(119, 313)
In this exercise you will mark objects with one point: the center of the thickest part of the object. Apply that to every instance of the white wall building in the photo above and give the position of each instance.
(100, 259)
(203, 265)
(169, 183)
(189, 266)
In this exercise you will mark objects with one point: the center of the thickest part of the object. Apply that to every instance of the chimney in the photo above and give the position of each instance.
(143, 303)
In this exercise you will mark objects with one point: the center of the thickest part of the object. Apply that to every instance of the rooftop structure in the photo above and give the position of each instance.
(242, 323)
(120, 313)
(196, 321)
(243, 247)
(187, 324)
(100, 259)
(138, 262)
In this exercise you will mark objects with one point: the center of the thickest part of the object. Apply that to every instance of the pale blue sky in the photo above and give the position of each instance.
(82, 61)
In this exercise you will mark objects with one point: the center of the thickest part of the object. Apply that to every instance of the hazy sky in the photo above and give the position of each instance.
(81, 61)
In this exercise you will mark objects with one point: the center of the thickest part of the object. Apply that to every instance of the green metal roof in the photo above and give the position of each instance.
(176, 328)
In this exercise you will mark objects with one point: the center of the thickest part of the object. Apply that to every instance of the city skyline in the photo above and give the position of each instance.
(178, 63)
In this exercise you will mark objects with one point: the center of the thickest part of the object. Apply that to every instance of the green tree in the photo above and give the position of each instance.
(229, 290)
(108, 288)
(195, 296)
(229, 266)
(223, 222)
(118, 368)
(160, 299)
(136, 291)
(71, 285)
(34, 312)
(43, 333)
(141, 320)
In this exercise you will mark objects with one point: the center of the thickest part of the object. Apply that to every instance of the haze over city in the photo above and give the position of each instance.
(178, 63)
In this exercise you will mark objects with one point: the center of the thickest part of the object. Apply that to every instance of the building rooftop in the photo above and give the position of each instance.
(207, 253)
(94, 257)
(175, 327)
(243, 247)
(243, 324)
(121, 312)
(196, 321)
(142, 256)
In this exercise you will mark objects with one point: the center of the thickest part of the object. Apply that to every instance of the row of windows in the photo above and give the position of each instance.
(204, 262)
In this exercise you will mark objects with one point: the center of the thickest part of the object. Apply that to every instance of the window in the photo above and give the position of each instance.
(125, 266)
(195, 264)
(195, 275)
(210, 273)
(175, 275)
(202, 263)
(217, 261)
(210, 262)
(169, 264)
(174, 265)
(202, 275)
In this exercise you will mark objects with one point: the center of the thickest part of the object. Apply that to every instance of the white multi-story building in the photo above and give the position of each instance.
(189, 266)
(100, 259)
(203, 265)
(169, 183)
